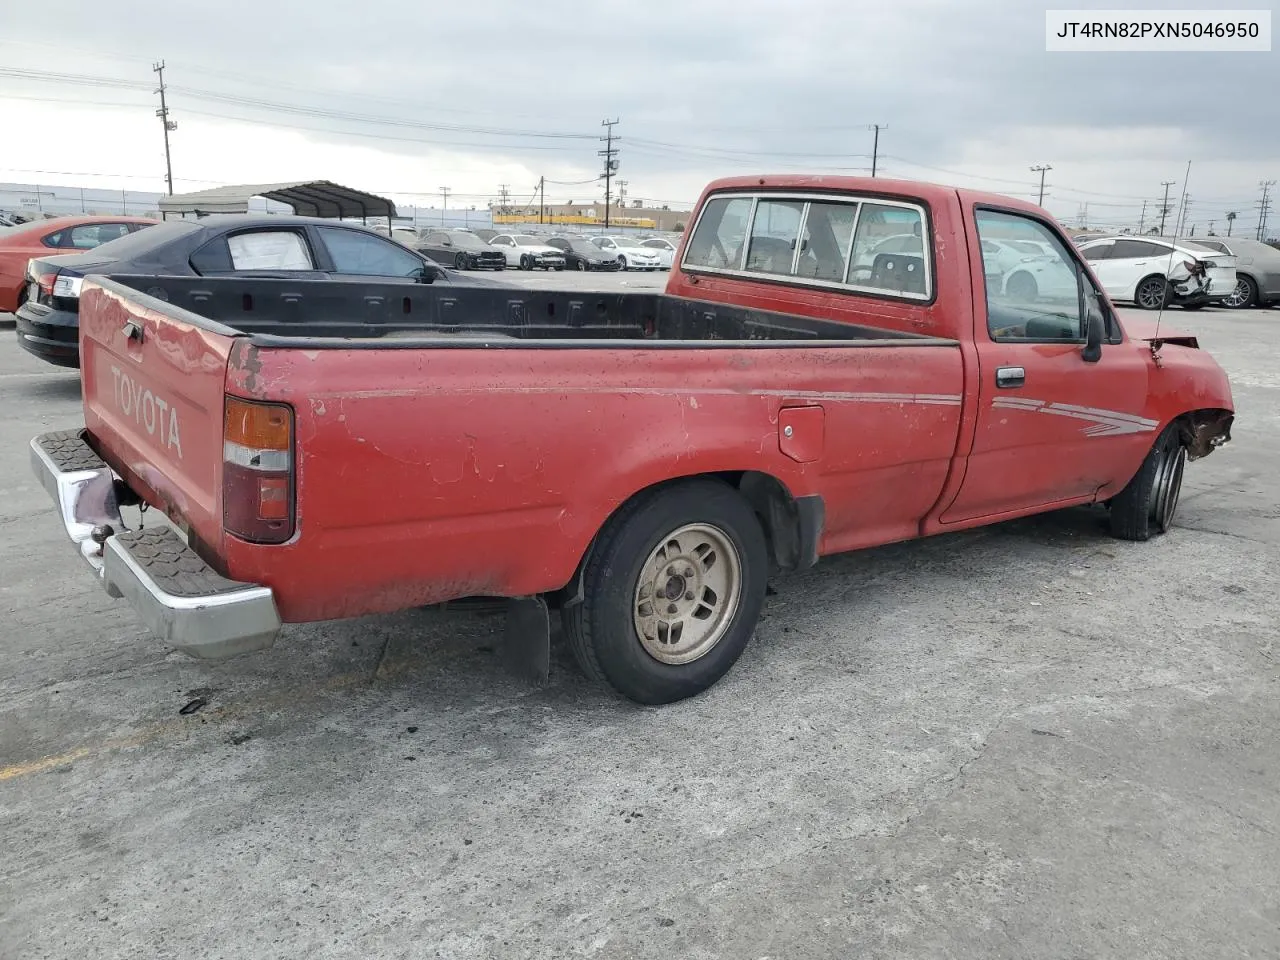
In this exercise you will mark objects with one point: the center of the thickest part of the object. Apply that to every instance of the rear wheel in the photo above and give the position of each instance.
(1152, 292)
(672, 592)
(1148, 504)
(1244, 295)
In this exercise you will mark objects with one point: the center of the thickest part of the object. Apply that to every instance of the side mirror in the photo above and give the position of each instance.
(1093, 333)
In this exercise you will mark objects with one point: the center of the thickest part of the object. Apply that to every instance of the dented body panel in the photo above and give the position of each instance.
(427, 471)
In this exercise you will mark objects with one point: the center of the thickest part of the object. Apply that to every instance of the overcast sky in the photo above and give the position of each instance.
(405, 97)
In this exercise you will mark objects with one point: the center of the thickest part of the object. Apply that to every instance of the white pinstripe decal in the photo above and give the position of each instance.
(1101, 423)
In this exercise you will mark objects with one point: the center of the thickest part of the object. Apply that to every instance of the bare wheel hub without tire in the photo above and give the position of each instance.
(1167, 486)
(687, 593)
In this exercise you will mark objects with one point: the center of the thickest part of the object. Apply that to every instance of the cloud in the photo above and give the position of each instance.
(702, 89)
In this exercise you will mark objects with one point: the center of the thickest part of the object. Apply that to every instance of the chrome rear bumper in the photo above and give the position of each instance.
(175, 593)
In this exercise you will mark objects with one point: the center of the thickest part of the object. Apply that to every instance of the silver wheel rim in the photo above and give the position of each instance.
(1167, 487)
(687, 594)
(1239, 296)
(1150, 294)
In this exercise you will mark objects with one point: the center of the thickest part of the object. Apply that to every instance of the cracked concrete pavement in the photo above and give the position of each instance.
(1027, 741)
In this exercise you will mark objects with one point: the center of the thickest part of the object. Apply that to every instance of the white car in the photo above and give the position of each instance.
(666, 250)
(528, 253)
(631, 253)
(1151, 272)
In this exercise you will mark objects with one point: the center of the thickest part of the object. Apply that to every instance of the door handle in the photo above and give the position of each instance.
(1007, 377)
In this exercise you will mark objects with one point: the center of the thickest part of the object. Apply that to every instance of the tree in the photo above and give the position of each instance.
(1231, 219)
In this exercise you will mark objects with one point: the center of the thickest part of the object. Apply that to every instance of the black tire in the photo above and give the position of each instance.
(1152, 292)
(1245, 295)
(1193, 306)
(602, 630)
(1148, 504)
(460, 262)
(525, 262)
(582, 265)
(1022, 286)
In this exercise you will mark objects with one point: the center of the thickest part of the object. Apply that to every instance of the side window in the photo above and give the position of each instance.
(828, 235)
(872, 265)
(269, 250)
(1098, 251)
(90, 235)
(1036, 299)
(774, 234)
(364, 255)
(721, 230)
(53, 239)
(1134, 249)
(213, 257)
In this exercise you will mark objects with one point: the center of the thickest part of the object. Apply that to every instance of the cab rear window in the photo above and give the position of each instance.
(873, 246)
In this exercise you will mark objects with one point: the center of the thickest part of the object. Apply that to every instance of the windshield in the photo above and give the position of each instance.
(526, 241)
(468, 240)
(585, 247)
(627, 242)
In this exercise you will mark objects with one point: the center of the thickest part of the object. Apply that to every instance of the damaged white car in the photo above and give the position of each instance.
(1152, 273)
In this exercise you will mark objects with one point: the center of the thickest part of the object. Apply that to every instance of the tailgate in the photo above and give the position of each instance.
(153, 379)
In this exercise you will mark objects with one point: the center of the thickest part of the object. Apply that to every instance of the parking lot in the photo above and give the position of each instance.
(1025, 741)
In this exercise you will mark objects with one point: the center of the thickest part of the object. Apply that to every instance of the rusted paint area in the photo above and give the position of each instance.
(244, 368)
(1206, 430)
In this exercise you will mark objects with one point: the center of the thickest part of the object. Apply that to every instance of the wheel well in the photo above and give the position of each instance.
(791, 525)
(1203, 431)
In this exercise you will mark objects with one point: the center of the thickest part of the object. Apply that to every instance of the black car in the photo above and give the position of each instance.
(462, 250)
(240, 245)
(581, 254)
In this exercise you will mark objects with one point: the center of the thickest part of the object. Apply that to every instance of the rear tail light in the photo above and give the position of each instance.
(46, 282)
(258, 501)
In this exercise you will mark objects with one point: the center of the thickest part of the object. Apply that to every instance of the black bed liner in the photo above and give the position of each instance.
(337, 313)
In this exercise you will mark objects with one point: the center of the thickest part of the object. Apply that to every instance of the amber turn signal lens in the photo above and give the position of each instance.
(258, 426)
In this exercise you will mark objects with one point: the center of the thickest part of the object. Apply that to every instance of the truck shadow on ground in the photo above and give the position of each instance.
(442, 653)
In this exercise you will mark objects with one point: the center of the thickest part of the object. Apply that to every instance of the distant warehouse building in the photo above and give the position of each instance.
(662, 219)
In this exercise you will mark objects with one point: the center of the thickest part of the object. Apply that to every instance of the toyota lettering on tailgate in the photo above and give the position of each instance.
(158, 417)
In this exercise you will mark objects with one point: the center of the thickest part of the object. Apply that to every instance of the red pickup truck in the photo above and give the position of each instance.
(834, 364)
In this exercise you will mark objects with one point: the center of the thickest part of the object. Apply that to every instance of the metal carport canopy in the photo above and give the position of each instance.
(308, 198)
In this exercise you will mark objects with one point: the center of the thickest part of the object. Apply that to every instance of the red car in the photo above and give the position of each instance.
(62, 235)
(835, 364)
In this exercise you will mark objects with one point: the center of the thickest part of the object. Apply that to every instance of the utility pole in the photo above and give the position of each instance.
(1164, 204)
(1142, 219)
(622, 193)
(1182, 203)
(1231, 221)
(1211, 223)
(444, 203)
(1264, 206)
(875, 144)
(542, 197)
(1041, 168)
(504, 193)
(610, 165)
(163, 114)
